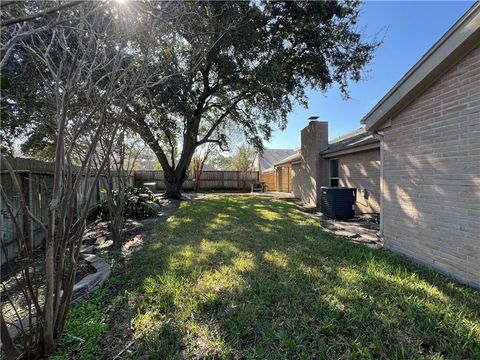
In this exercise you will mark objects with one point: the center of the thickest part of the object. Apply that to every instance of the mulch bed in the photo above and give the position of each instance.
(11, 288)
(101, 228)
(83, 269)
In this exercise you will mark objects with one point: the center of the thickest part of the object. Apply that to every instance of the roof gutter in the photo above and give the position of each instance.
(293, 162)
(351, 150)
(462, 37)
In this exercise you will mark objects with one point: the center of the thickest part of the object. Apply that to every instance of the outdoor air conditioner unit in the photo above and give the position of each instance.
(338, 202)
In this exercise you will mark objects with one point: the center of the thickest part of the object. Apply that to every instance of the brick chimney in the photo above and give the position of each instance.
(313, 172)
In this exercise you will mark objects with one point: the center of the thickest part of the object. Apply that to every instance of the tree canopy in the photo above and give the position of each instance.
(246, 64)
(211, 66)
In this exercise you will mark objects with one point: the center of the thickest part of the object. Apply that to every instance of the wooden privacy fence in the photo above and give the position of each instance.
(270, 180)
(36, 180)
(209, 180)
(278, 180)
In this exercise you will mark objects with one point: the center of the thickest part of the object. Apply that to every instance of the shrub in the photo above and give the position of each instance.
(140, 203)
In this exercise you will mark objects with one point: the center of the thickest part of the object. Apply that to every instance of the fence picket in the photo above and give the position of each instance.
(37, 182)
(209, 180)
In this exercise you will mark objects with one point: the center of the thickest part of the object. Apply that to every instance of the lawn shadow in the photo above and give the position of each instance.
(243, 277)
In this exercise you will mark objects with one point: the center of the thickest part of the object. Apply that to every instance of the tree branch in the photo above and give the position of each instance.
(222, 117)
(39, 14)
(216, 141)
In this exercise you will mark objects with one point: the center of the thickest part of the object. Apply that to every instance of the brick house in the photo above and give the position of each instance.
(429, 123)
(416, 162)
(352, 160)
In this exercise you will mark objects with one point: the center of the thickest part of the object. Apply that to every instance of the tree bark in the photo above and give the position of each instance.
(174, 179)
(173, 184)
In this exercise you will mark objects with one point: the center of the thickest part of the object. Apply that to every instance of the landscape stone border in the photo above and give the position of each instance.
(94, 281)
(81, 289)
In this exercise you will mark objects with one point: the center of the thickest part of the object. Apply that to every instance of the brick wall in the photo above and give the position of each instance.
(362, 171)
(432, 175)
(297, 189)
(312, 173)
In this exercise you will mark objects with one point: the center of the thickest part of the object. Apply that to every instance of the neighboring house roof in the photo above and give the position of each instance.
(358, 140)
(462, 37)
(290, 159)
(271, 156)
(208, 167)
(228, 167)
(144, 164)
(269, 170)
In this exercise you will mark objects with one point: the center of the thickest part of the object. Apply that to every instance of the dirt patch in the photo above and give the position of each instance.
(119, 339)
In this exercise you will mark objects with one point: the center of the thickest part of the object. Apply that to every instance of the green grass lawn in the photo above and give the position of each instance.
(249, 277)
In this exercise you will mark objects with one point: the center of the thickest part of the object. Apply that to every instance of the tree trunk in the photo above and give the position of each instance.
(174, 178)
(173, 188)
(173, 182)
(9, 348)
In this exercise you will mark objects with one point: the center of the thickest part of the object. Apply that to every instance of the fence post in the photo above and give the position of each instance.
(25, 188)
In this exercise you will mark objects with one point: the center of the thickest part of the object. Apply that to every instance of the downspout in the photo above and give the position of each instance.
(380, 136)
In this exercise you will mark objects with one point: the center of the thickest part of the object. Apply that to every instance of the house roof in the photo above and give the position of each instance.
(352, 141)
(462, 37)
(289, 159)
(269, 157)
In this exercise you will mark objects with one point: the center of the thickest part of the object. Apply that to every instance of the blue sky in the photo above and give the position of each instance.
(412, 27)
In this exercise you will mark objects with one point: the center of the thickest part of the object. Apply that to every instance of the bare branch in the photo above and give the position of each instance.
(9, 22)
